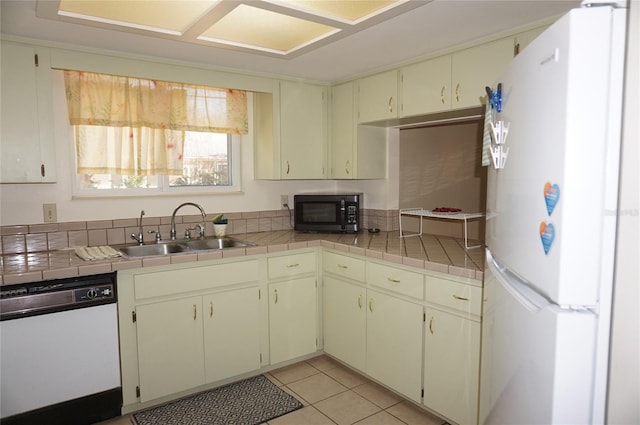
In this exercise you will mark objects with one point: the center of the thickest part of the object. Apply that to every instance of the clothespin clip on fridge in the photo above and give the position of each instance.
(495, 97)
(499, 130)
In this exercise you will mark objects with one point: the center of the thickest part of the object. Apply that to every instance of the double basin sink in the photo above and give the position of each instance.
(179, 246)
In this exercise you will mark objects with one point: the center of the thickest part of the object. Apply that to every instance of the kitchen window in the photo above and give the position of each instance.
(135, 136)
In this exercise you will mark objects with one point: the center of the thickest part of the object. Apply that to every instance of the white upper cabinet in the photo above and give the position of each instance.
(291, 132)
(356, 151)
(303, 130)
(26, 138)
(378, 97)
(475, 68)
(523, 39)
(343, 131)
(426, 86)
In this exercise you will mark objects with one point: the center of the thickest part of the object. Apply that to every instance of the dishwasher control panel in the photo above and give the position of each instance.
(95, 293)
(36, 298)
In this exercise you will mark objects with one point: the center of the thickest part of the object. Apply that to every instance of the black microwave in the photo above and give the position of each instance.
(327, 212)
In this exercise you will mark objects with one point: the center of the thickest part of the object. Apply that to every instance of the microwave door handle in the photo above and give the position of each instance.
(342, 215)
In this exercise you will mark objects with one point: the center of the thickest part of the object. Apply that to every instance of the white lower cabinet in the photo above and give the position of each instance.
(292, 319)
(452, 366)
(231, 337)
(372, 330)
(170, 347)
(192, 341)
(293, 306)
(394, 343)
(345, 321)
(452, 348)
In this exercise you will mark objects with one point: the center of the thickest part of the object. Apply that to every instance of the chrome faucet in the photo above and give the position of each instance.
(140, 236)
(173, 219)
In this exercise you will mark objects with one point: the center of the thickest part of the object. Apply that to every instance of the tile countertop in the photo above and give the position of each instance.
(438, 253)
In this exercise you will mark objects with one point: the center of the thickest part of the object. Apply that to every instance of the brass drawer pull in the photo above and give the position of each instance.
(342, 266)
(458, 297)
(393, 280)
(293, 265)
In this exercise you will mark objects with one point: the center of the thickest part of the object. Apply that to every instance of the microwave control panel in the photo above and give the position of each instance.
(352, 214)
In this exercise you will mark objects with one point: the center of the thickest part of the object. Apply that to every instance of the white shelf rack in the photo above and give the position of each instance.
(422, 213)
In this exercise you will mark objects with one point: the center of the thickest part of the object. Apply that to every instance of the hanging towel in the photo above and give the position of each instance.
(486, 135)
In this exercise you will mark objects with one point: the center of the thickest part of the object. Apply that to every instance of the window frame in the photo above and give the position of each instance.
(163, 189)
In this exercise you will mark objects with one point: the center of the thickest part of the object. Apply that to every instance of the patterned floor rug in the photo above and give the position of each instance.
(252, 401)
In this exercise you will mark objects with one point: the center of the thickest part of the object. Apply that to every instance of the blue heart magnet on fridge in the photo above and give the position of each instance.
(551, 196)
(547, 235)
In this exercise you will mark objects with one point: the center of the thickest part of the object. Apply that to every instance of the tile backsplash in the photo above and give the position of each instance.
(19, 239)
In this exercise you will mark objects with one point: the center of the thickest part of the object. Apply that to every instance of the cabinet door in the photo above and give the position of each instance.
(170, 347)
(292, 319)
(345, 321)
(426, 86)
(523, 39)
(26, 138)
(303, 130)
(452, 366)
(342, 131)
(378, 97)
(477, 67)
(231, 333)
(394, 343)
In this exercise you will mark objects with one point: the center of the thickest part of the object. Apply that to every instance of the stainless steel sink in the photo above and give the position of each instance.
(150, 250)
(185, 245)
(215, 243)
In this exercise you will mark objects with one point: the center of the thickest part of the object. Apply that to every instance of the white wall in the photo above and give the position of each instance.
(22, 203)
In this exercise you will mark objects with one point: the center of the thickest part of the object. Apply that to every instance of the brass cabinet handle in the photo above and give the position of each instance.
(393, 280)
(458, 92)
(195, 312)
(390, 107)
(210, 308)
(293, 265)
(431, 325)
(442, 94)
(458, 297)
(288, 167)
(371, 305)
(347, 167)
(275, 296)
(342, 266)
(360, 301)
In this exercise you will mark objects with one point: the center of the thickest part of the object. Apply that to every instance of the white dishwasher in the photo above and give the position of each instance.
(59, 353)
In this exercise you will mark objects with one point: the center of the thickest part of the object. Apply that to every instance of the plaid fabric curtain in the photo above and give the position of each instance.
(133, 126)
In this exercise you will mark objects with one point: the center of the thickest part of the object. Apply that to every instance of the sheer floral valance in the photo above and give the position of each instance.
(134, 126)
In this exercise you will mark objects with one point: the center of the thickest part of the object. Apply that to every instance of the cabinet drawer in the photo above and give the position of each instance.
(341, 265)
(291, 265)
(398, 280)
(171, 282)
(454, 295)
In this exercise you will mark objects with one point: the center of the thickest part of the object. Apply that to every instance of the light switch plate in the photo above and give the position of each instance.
(49, 212)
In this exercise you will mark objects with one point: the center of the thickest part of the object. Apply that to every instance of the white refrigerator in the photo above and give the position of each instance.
(551, 224)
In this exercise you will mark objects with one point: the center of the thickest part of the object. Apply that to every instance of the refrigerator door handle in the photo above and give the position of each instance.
(521, 290)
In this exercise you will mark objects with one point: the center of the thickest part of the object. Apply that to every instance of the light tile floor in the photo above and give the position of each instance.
(333, 394)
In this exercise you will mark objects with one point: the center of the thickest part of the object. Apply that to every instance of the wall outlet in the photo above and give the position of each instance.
(49, 212)
(284, 201)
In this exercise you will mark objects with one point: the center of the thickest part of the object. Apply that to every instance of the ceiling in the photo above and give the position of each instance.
(326, 40)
